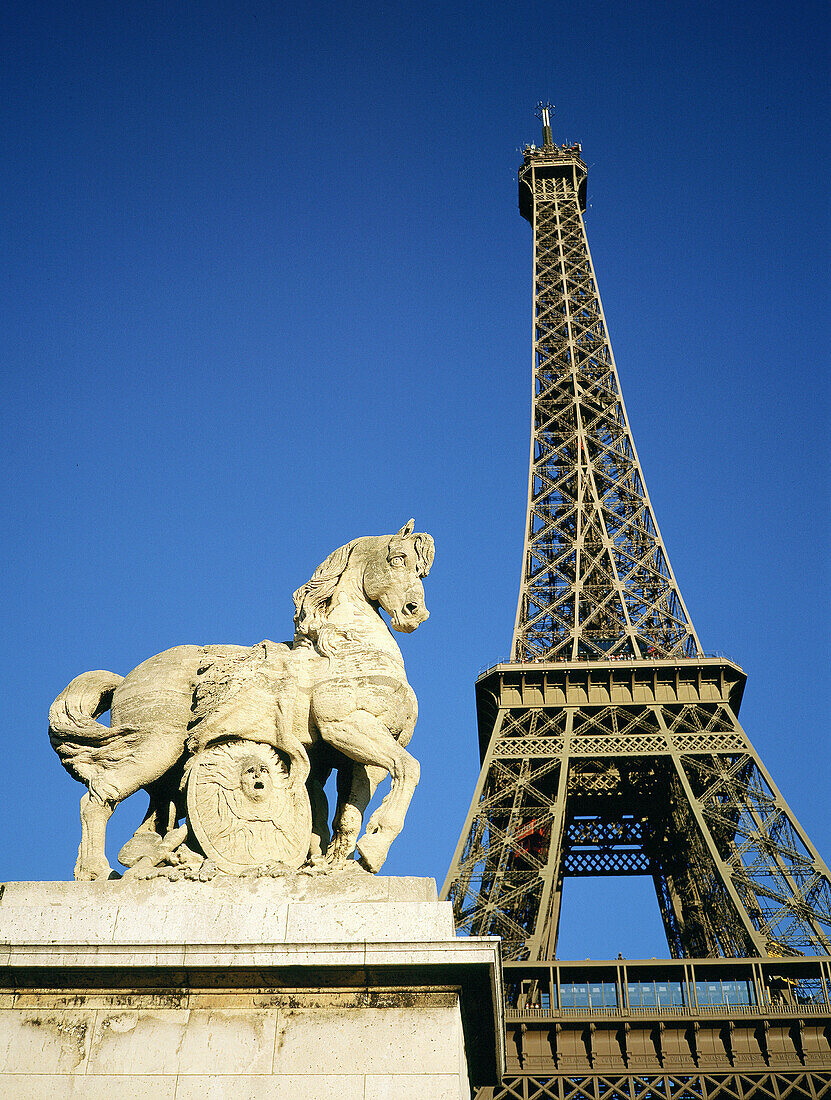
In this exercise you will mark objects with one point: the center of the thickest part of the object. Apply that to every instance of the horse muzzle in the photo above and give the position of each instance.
(409, 617)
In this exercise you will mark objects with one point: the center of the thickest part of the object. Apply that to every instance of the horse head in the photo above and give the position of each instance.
(393, 573)
(387, 570)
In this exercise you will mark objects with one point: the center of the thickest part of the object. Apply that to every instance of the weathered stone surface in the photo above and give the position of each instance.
(36, 1086)
(410, 1086)
(205, 1041)
(294, 908)
(225, 1052)
(346, 886)
(287, 991)
(300, 1086)
(380, 1041)
(304, 1086)
(45, 1040)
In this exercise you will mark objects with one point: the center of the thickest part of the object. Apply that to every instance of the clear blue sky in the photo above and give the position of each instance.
(267, 289)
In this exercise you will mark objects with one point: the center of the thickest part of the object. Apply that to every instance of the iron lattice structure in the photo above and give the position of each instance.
(596, 581)
(610, 743)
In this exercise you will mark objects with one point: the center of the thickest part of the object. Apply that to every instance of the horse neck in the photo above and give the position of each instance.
(350, 610)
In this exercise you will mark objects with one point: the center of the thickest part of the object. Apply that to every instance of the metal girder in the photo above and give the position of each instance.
(580, 864)
(715, 1085)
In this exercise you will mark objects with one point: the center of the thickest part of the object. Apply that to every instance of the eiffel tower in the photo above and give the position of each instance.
(610, 745)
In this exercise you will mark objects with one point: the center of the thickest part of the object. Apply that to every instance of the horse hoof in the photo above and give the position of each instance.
(340, 851)
(372, 851)
(92, 874)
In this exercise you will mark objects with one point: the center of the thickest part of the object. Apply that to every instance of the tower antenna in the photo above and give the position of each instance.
(544, 112)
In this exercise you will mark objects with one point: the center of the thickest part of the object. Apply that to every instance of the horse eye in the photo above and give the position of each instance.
(397, 560)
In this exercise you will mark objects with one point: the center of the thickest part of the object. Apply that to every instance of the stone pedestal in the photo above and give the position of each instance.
(349, 987)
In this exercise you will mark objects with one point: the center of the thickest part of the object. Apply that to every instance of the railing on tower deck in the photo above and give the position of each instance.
(792, 986)
(647, 657)
(554, 152)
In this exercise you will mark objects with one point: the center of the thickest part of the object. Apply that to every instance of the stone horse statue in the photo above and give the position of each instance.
(336, 697)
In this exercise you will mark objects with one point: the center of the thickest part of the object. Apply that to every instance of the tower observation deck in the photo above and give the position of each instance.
(610, 745)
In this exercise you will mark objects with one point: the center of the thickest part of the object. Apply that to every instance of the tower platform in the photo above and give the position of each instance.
(703, 1028)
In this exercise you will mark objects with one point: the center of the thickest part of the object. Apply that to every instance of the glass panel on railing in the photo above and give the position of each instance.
(588, 995)
(727, 991)
(574, 994)
(808, 991)
(788, 990)
(650, 994)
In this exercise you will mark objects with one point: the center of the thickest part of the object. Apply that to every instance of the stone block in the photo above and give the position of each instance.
(213, 920)
(411, 1086)
(309, 922)
(386, 1041)
(35, 1086)
(222, 910)
(45, 1040)
(301, 1086)
(185, 1041)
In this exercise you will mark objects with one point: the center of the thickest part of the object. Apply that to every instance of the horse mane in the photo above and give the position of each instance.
(311, 600)
(425, 551)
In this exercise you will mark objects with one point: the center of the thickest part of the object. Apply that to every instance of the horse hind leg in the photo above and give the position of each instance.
(356, 786)
(92, 859)
(160, 819)
(152, 759)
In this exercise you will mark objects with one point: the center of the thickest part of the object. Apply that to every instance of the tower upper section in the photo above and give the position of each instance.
(597, 582)
(551, 162)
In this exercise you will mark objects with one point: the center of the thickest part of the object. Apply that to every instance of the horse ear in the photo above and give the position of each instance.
(407, 529)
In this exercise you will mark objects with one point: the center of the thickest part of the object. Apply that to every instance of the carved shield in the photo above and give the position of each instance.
(244, 808)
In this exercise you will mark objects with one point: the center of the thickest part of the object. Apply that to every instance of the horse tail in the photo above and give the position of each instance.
(83, 744)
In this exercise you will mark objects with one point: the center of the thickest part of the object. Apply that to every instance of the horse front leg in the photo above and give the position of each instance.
(92, 857)
(387, 821)
(319, 844)
(366, 740)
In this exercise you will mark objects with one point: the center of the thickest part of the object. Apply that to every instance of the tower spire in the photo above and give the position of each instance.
(596, 581)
